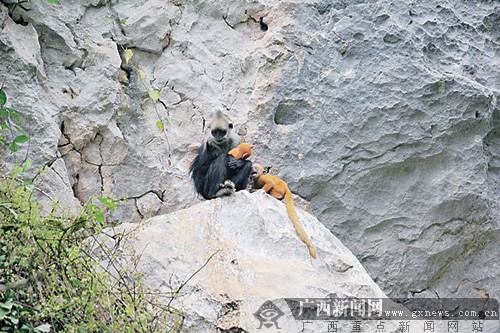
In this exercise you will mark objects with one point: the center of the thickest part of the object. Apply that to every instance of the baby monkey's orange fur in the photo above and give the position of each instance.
(243, 151)
(278, 188)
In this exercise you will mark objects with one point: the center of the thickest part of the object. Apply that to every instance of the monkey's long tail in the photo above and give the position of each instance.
(290, 208)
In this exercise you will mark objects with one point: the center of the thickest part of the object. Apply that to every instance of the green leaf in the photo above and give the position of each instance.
(160, 125)
(99, 216)
(128, 55)
(78, 225)
(108, 20)
(3, 98)
(7, 304)
(3, 313)
(22, 131)
(13, 147)
(44, 328)
(4, 113)
(109, 203)
(15, 171)
(142, 75)
(14, 115)
(53, 1)
(96, 213)
(29, 184)
(155, 95)
(21, 139)
(27, 165)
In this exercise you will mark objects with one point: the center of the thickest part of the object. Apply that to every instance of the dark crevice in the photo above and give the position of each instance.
(160, 195)
(67, 138)
(79, 62)
(69, 91)
(14, 11)
(64, 145)
(415, 292)
(116, 19)
(73, 34)
(224, 17)
(138, 209)
(165, 40)
(164, 105)
(263, 25)
(74, 187)
(49, 163)
(99, 168)
(75, 190)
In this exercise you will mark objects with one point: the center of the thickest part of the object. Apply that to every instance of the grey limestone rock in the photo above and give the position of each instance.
(252, 255)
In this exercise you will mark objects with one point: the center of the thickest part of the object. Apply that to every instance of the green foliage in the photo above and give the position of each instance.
(108, 203)
(50, 279)
(160, 125)
(108, 20)
(3, 98)
(10, 313)
(128, 55)
(154, 95)
(10, 126)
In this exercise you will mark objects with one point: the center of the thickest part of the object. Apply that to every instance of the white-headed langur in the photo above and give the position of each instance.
(214, 172)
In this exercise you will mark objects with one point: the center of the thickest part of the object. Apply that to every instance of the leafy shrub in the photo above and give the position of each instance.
(61, 274)
(50, 279)
(10, 125)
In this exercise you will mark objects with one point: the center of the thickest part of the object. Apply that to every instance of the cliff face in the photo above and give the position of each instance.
(382, 114)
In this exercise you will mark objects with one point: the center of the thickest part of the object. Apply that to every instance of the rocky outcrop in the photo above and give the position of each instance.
(383, 114)
(248, 253)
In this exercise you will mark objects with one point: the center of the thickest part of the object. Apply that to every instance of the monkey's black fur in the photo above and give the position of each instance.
(239, 172)
(212, 166)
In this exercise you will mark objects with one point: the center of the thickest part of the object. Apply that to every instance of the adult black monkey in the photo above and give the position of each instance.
(214, 172)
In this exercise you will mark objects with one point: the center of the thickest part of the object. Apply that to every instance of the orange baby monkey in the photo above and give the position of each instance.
(278, 188)
(243, 151)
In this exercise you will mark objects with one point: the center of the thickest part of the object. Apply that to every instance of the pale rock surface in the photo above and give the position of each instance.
(257, 256)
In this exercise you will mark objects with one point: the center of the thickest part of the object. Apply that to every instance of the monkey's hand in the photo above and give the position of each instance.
(234, 164)
(228, 184)
(227, 188)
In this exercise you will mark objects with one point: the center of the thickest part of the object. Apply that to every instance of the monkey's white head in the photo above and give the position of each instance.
(220, 133)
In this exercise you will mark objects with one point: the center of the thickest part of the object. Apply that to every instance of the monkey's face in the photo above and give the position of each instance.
(220, 128)
(219, 134)
(257, 170)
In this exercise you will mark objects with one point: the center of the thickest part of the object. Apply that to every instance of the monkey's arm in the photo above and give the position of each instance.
(235, 164)
(240, 171)
(268, 183)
